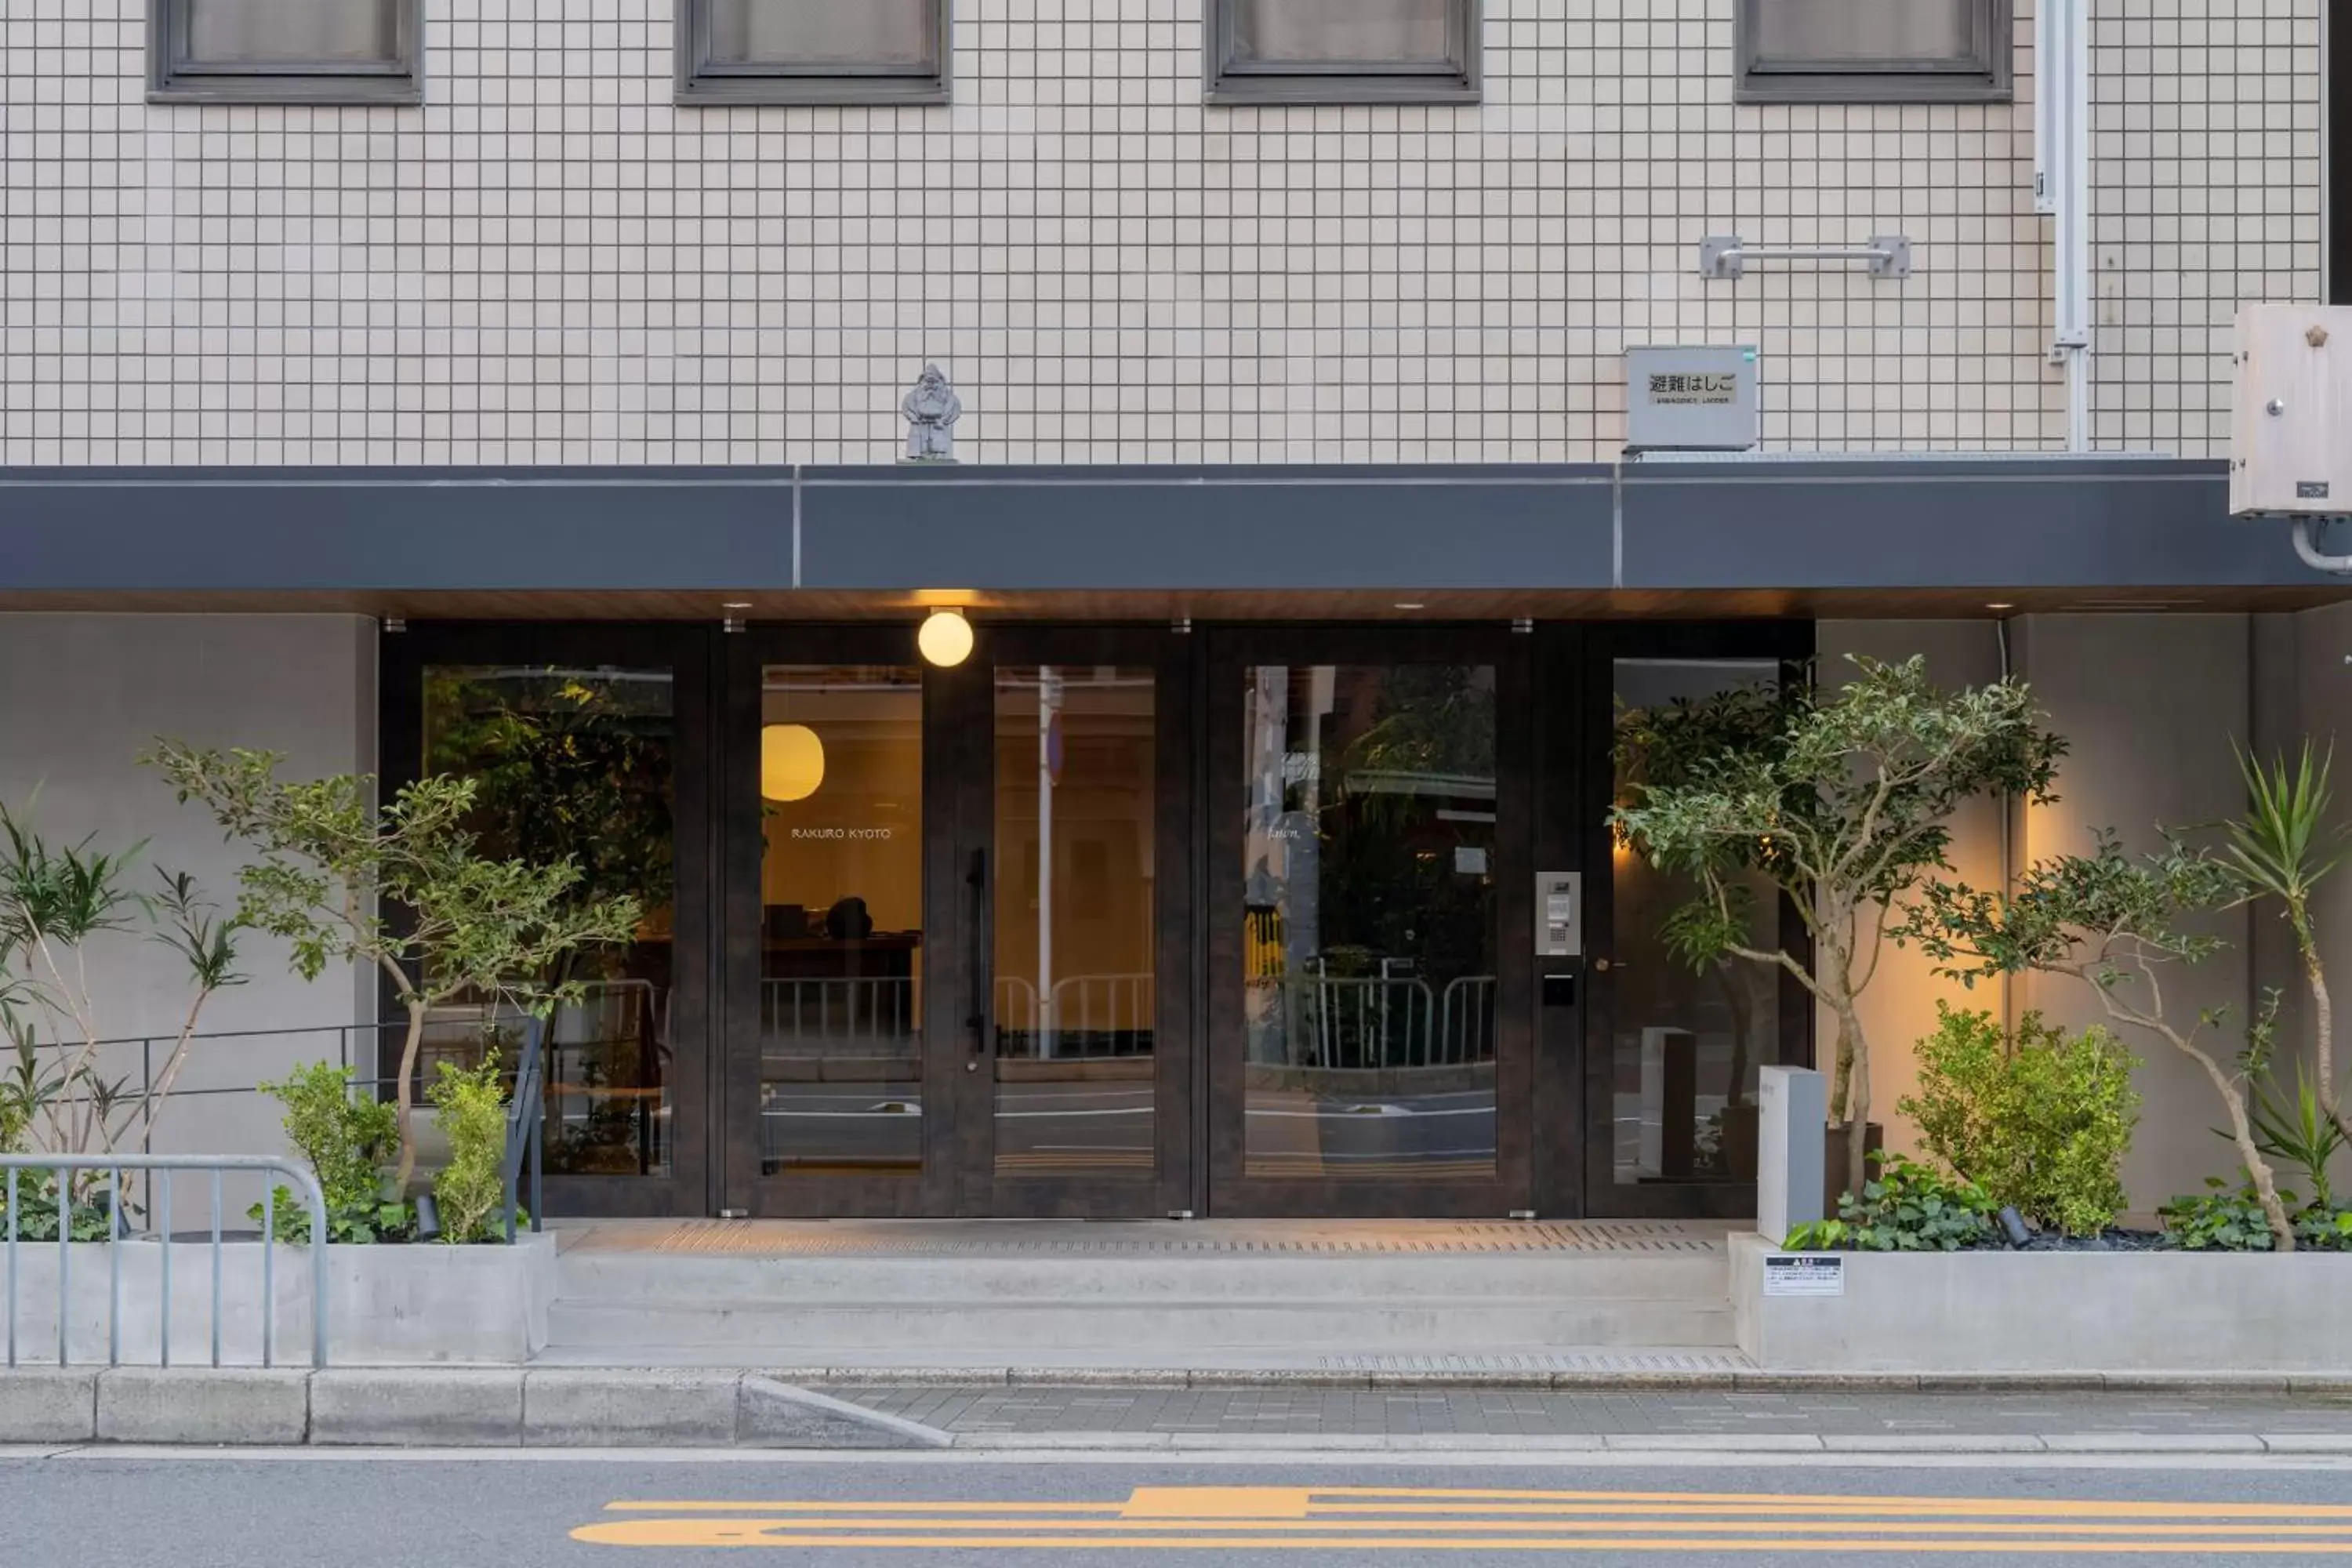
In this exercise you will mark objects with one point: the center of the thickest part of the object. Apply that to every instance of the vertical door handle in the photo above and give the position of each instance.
(976, 1021)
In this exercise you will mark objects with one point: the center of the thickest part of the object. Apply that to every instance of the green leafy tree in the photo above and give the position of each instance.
(2039, 1118)
(334, 868)
(1838, 800)
(2118, 924)
(57, 904)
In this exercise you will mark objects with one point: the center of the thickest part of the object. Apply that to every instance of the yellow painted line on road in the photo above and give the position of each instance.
(685, 1534)
(1362, 1518)
(1536, 1526)
(1294, 1502)
(1835, 1501)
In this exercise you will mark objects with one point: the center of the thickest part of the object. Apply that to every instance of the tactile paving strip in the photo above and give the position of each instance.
(1052, 1238)
(1613, 1361)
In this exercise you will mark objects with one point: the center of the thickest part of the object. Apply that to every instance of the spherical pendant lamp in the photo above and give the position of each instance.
(791, 762)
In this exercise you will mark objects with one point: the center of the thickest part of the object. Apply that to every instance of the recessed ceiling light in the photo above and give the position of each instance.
(2000, 606)
(1410, 604)
(735, 605)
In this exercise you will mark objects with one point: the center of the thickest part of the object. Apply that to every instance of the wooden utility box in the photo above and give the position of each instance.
(2291, 433)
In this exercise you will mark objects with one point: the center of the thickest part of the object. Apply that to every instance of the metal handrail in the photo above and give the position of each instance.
(1722, 256)
(165, 1165)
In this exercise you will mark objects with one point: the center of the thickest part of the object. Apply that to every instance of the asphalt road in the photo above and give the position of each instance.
(368, 1511)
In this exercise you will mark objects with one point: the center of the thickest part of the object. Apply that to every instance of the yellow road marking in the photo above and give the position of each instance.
(1364, 1518)
(1277, 1502)
(689, 1533)
(1989, 1528)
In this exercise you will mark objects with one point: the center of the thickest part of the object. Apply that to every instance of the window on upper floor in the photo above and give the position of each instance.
(1873, 51)
(286, 51)
(812, 51)
(1343, 51)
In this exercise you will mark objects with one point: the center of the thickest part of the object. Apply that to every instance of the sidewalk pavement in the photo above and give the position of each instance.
(1660, 1419)
(689, 1408)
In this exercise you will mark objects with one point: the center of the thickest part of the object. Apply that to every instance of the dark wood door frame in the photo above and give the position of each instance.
(959, 1174)
(1232, 650)
(738, 826)
(1790, 644)
(984, 1190)
(690, 1189)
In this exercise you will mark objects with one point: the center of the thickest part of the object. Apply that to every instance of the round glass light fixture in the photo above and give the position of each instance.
(945, 638)
(791, 762)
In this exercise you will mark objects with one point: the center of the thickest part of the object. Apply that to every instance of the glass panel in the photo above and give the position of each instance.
(1342, 32)
(1686, 1046)
(577, 762)
(818, 33)
(293, 32)
(1809, 34)
(1369, 861)
(1076, 931)
(841, 890)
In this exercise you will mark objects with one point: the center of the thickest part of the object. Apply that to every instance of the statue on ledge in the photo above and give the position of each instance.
(931, 410)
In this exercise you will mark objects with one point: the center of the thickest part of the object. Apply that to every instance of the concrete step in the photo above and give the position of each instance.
(1170, 1330)
(675, 1280)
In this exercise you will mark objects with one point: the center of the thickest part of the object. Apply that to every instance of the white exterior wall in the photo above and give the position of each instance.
(80, 696)
(550, 262)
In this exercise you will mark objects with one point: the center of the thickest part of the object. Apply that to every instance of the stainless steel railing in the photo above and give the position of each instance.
(160, 1169)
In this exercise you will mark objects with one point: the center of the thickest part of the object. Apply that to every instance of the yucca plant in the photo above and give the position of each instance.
(2299, 1132)
(2282, 847)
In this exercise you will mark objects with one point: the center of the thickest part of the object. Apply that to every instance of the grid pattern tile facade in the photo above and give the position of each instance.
(550, 262)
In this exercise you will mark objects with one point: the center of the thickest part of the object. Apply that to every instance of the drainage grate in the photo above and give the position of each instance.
(790, 1238)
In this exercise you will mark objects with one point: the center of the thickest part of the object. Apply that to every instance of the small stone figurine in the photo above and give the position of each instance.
(931, 410)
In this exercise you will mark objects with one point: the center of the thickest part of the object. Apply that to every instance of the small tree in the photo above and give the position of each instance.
(1840, 801)
(332, 866)
(2281, 847)
(2116, 923)
(56, 904)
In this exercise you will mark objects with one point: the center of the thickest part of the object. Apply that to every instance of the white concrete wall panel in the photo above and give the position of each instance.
(80, 696)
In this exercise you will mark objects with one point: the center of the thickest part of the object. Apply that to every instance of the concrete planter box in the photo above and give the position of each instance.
(387, 1306)
(2213, 1314)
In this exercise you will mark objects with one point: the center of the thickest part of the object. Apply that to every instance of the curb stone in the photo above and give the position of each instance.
(579, 1409)
(771, 1414)
(401, 1408)
(49, 1404)
(241, 1406)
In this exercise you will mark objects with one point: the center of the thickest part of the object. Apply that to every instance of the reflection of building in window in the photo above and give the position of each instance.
(1687, 1047)
(1368, 895)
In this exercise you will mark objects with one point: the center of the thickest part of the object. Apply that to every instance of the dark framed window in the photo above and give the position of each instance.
(286, 51)
(1873, 51)
(1343, 51)
(812, 51)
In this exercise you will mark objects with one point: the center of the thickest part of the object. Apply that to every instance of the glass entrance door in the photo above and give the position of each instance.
(948, 927)
(1368, 847)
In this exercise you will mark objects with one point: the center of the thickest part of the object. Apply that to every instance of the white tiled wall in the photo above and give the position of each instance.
(550, 263)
